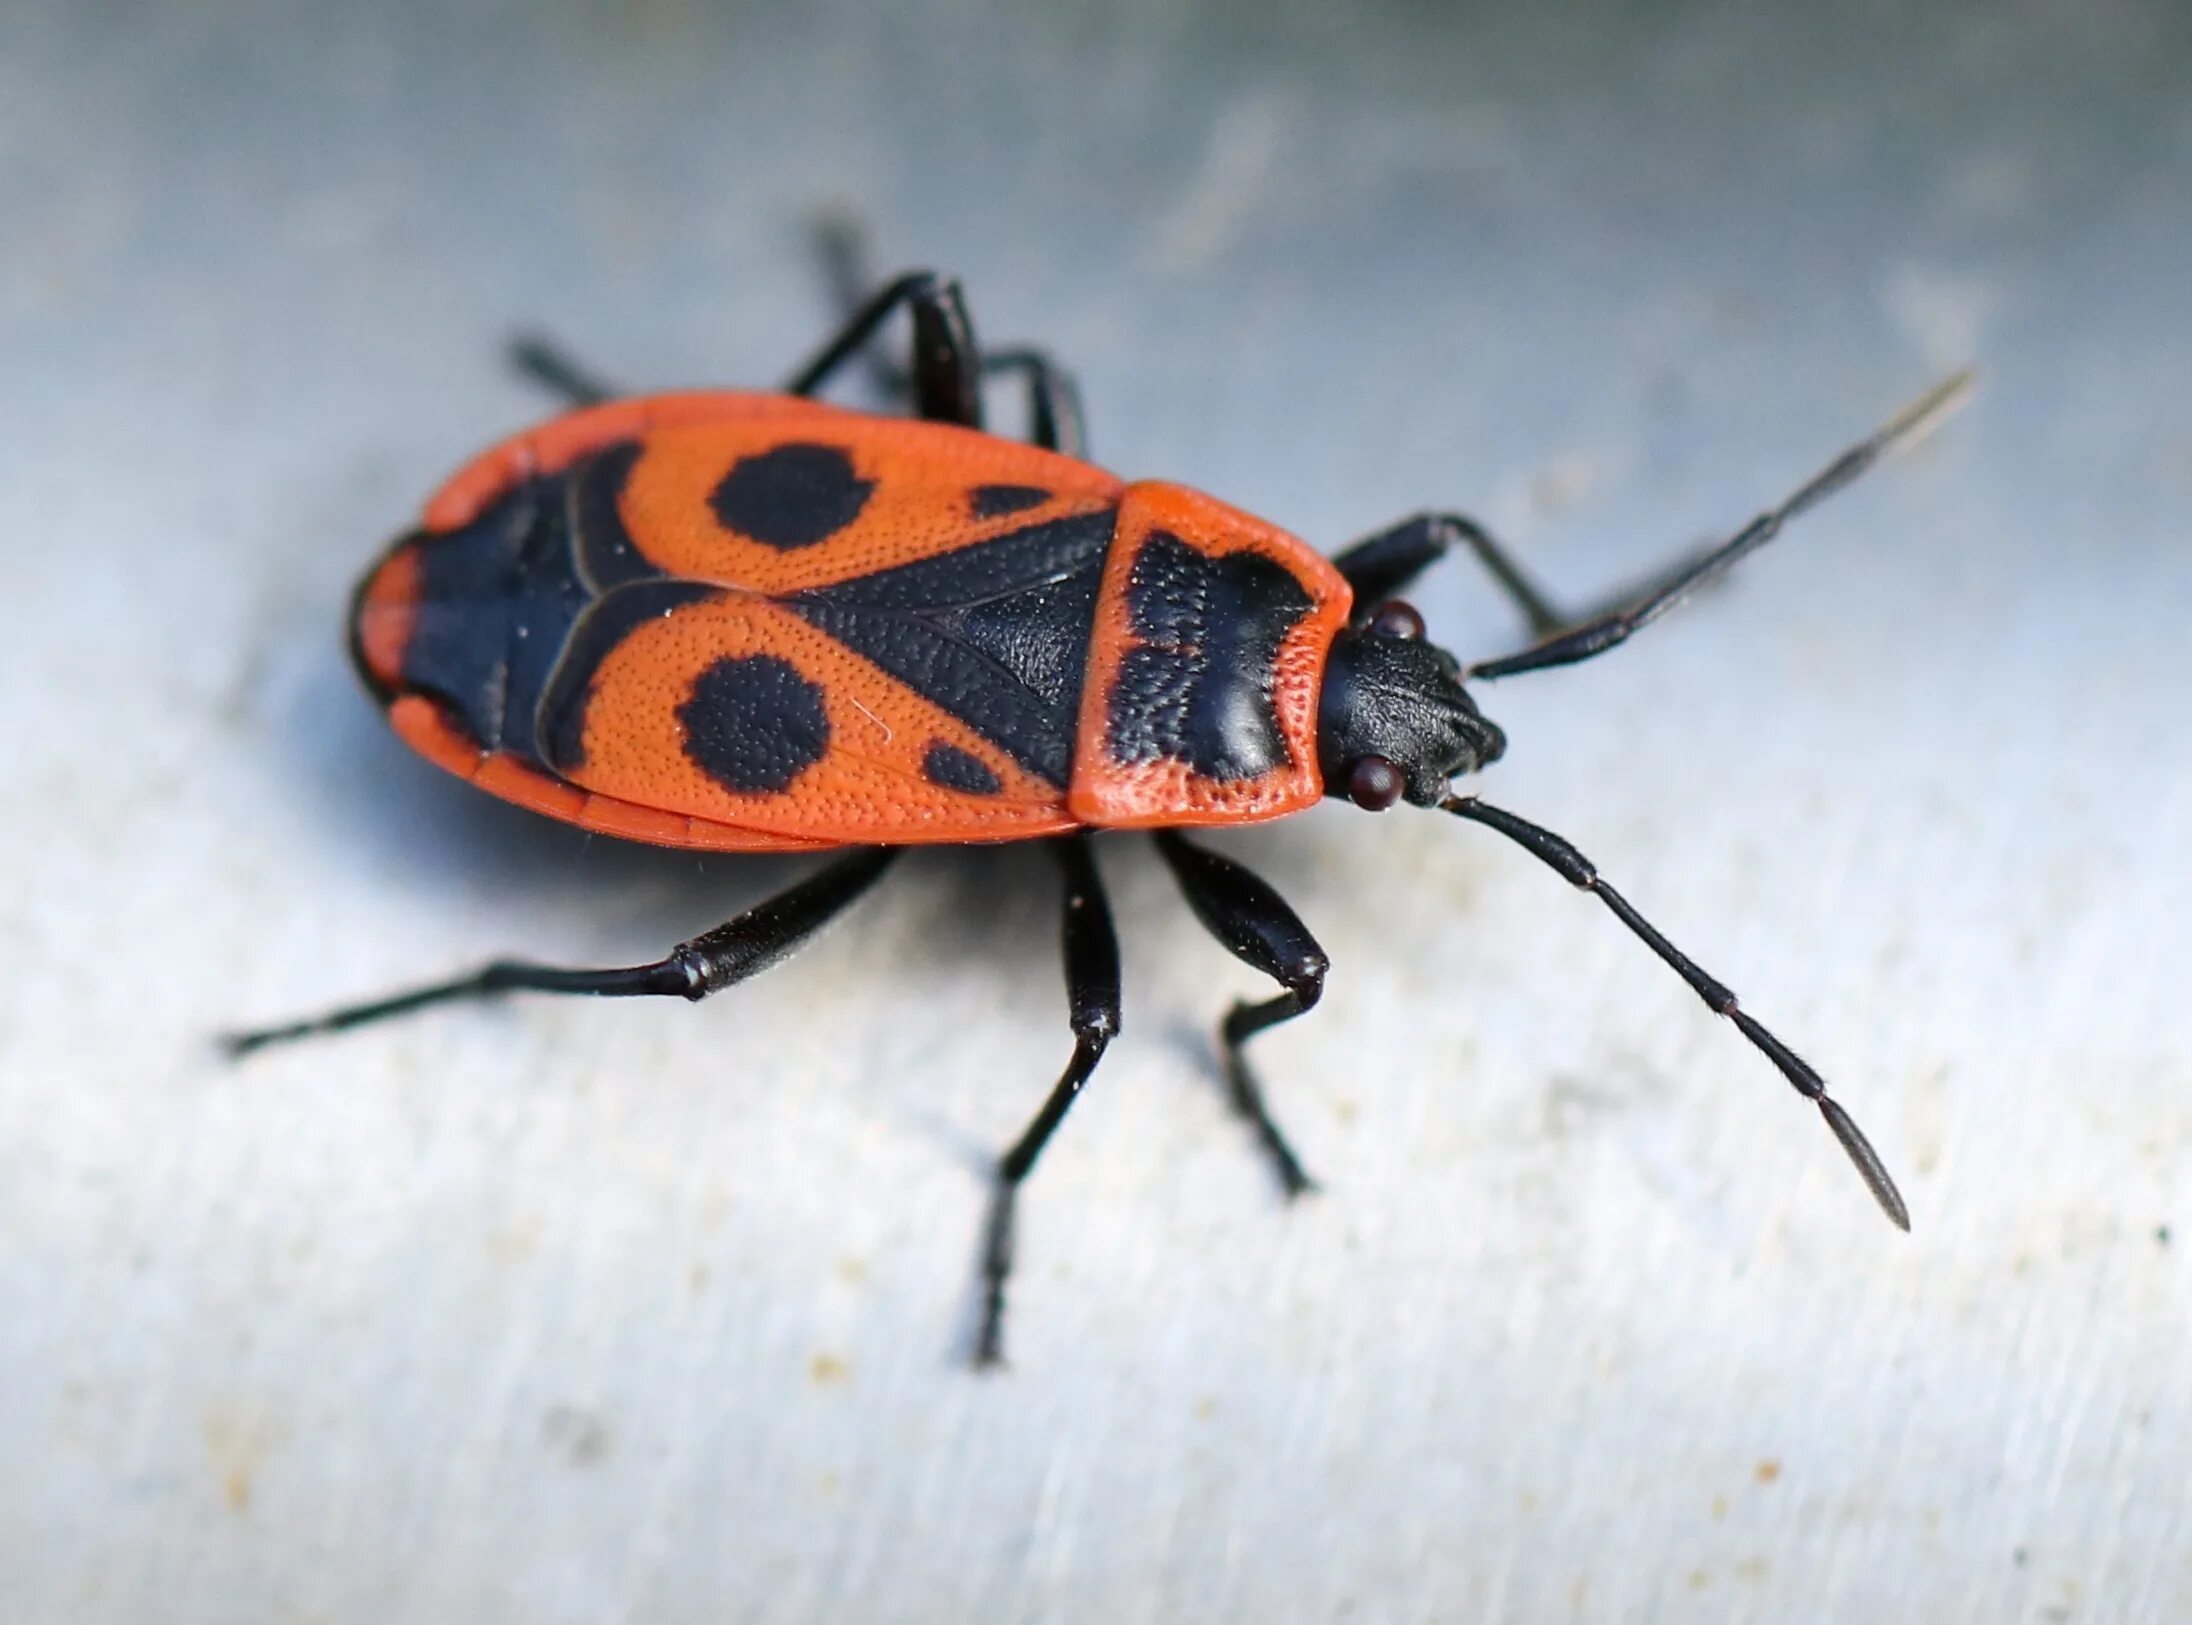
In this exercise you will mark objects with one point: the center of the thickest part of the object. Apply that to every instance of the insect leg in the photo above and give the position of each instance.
(1092, 997)
(946, 372)
(1054, 401)
(843, 247)
(762, 936)
(542, 361)
(1258, 928)
(1379, 566)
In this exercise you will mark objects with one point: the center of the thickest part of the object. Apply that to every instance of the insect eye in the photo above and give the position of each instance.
(1374, 784)
(1396, 619)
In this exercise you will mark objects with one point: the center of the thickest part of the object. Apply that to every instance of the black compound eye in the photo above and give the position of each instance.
(1396, 619)
(1374, 784)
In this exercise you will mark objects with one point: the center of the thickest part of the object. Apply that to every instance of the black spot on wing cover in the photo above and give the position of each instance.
(754, 724)
(791, 496)
(950, 768)
(1198, 688)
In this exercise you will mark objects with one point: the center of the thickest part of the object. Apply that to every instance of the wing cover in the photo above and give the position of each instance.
(809, 624)
(737, 709)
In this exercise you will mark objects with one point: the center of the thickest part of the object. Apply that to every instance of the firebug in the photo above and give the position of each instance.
(755, 622)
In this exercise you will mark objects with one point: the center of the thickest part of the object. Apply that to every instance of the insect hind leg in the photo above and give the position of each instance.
(761, 937)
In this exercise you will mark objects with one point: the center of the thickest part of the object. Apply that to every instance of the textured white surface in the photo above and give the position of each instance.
(579, 1313)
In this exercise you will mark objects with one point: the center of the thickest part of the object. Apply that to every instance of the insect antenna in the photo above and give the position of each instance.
(1595, 637)
(1573, 866)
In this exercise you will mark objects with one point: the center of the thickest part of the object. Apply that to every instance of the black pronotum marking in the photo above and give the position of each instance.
(791, 496)
(1198, 688)
(753, 724)
(950, 768)
(991, 501)
(997, 633)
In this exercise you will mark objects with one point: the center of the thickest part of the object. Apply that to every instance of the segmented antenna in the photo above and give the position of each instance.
(1595, 637)
(1578, 870)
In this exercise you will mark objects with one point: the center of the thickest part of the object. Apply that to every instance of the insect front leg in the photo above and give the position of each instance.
(1257, 927)
(759, 938)
(1092, 998)
(1630, 612)
(1379, 566)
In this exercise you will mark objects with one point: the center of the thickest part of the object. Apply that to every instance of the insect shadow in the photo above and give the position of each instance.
(434, 836)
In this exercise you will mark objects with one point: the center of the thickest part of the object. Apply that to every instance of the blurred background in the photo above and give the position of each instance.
(586, 1312)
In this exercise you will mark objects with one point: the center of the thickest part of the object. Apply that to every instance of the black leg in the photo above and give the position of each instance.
(1054, 401)
(544, 362)
(946, 370)
(1379, 566)
(1092, 997)
(1603, 632)
(1258, 928)
(762, 936)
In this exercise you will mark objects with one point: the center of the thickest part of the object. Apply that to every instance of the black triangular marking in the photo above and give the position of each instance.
(1002, 567)
(996, 633)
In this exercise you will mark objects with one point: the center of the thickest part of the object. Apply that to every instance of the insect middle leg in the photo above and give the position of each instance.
(946, 366)
(1257, 927)
(945, 374)
(1054, 401)
(761, 937)
(1092, 998)
(944, 379)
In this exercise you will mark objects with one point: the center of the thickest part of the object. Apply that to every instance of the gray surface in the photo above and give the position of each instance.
(581, 1313)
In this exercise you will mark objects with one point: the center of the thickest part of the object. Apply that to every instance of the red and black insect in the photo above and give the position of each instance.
(755, 622)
